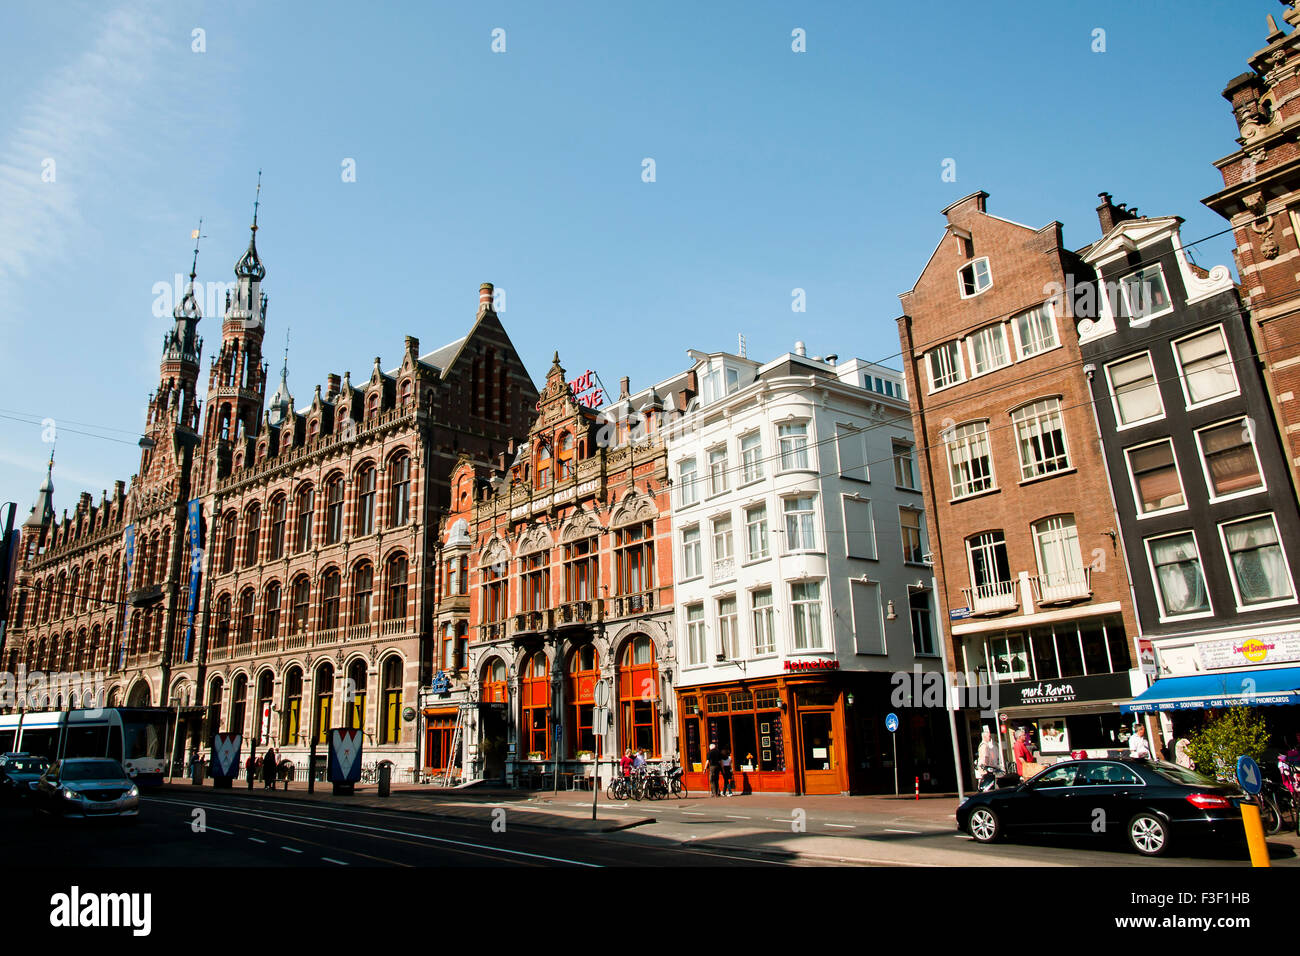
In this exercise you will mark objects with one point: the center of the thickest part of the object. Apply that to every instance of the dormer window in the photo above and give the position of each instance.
(406, 391)
(719, 381)
(543, 469)
(1145, 294)
(372, 407)
(975, 277)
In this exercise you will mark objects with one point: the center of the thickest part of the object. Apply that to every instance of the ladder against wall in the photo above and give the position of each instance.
(454, 772)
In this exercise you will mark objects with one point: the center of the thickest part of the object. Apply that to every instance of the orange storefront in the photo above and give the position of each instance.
(786, 734)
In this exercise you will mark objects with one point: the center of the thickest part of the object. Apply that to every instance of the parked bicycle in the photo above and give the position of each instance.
(370, 773)
(676, 782)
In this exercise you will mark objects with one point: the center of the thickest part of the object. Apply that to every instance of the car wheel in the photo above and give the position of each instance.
(984, 825)
(1148, 834)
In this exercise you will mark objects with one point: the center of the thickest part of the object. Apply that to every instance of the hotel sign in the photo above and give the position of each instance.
(1243, 652)
(587, 391)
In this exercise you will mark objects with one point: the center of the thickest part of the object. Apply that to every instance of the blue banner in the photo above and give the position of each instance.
(345, 756)
(128, 537)
(196, 564)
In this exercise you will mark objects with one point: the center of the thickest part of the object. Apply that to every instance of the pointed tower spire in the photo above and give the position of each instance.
(282, 400)
(250, 266)
(43, 509)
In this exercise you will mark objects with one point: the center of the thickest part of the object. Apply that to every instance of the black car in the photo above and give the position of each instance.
(18, 772)
(87, 787)
(1150, 802)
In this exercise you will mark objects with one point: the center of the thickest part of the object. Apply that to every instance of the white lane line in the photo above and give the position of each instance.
(331, 860)
(257, 839)
(280, 818)
(842, 826)
(889, 830)
(694, 813)
(290, 849)
(735, 816)
(207, 827)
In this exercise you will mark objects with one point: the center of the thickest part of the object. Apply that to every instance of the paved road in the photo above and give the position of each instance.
(248, 831)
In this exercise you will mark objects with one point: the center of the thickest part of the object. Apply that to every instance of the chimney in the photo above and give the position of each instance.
(331, 386)
(413, 346)
(832, 358)
(800, 349)
(485, 297)
(1109, 214)
(623, 385)
(961, 209)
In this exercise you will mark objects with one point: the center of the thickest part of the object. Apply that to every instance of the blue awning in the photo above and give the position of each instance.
(1268, 687)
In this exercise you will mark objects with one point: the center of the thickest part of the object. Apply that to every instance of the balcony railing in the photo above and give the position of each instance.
(634, 604)
(992, 598)
(327, 636)
(532, 622)
(358, 632)
(295, 640)
(492, 632)
(577, 612)
(393, 627)
(218, 654)
(1062, 587)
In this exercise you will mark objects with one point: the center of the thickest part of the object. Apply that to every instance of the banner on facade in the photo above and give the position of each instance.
(1248, 651)
(128, 539)
(345, 756)
(196, 564)
(225, 755)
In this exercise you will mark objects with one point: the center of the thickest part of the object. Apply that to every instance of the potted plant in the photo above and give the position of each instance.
(585, 755)
(536, 755)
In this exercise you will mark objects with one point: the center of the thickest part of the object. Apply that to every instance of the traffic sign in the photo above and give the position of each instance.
(891, 722)
(1248, 775)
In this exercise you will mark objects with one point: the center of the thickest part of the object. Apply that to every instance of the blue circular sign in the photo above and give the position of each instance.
(891, 722)
(1248, 775)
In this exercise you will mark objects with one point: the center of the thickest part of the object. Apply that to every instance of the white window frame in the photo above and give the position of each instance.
(972, 265)
(698, 548)
(751, 465)
(872, 543)
(1155, 580)
(999, 330)
(1182, 373)
(1050, 532)
(1232, 570)
(856, 435)
(804, 450)
(750, 556)
(1254, 447)
(768, 649)
(965, 442)
(1132, 479)
(910, 448)
(811, 517)
(727, 537)
(696, 636)
(683, 484)
(958, 365)
(1120, 425)
(878, 623)
(719, 479)
(1021, 354)
(1019, 422)
(796, 613)
(729, 628)
(1140, 321)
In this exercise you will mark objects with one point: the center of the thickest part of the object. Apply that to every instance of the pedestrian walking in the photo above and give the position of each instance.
(268, 770)
(250, 768)
(728, 779)
(1023, 754)
(714, 760)
(989, 762)
(1139, 748)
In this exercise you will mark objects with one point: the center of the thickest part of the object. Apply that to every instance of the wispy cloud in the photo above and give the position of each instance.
(72, 121)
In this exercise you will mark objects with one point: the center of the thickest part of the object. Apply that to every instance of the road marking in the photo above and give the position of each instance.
(331, 860)
(207, 827)
(733, 816)
(694, 813)
(889, 830)
(290, 849)
(361, 826)
(257, 840)
(842, 826)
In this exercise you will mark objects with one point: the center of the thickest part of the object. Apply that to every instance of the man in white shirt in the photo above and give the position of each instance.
(1138, 745)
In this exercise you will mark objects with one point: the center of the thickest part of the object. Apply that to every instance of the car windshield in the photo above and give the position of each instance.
(1179, 774)
(92, 770)
(25, 766)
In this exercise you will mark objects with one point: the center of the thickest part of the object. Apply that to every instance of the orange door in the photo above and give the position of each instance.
(818, 760)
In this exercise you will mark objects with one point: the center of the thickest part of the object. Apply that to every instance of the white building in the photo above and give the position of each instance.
(801, 581)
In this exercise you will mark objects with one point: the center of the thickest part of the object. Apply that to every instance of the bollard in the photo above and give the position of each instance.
(385, 775)
(1254, 834)
(918, 788)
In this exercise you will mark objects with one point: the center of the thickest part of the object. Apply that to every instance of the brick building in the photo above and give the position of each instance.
(271, 574)
(556, 579)
(1027, 560)
(1261, 199)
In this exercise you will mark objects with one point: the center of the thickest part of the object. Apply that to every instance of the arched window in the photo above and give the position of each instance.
(58, 595)
(494, 683)
(334, 510)
(228, 543)
(133, 647)
(365, 523)
(96, 648)
(406, 391)
(564, 458)
(252, 529)
(101, 579)
(223, 624)
(265, 696)
(74, 589)
(399, 507)
(395, 606)
(372, 405)
(580, 692)
(329, 610)
(357, 689)
(390, 730)
(246, 616)
(543, 467)
(301, 594)
(292, 709)
(215, 688)
(164, 552)
(363, 579)
(535, 694)
(638, 694)
(324, 702)
(304, 503)
(271, 612)
(79, 654)
(238, 704)
(279, 508)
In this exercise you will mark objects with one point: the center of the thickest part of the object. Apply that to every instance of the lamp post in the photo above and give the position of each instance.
(600, 695)
(176, 727)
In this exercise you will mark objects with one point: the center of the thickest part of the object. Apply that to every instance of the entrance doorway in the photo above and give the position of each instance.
(817, 751)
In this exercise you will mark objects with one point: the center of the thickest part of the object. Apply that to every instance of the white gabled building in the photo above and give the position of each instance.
(800, 575)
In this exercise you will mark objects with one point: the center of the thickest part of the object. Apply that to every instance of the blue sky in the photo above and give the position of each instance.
(774, 170)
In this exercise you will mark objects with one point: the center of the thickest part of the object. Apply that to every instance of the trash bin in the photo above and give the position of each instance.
(385, 777)
(198, 775)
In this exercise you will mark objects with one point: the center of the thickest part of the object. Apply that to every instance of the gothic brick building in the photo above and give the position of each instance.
(270, 573)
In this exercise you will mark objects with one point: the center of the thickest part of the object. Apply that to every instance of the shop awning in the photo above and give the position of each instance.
(1268, 687)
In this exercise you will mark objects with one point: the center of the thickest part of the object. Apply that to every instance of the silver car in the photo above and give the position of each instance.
(87, 787)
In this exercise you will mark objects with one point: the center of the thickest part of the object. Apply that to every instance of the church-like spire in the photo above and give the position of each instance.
(249, 265)
(282, 399)
(43, 509)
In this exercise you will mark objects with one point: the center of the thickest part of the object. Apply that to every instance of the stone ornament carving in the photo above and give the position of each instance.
(635, 507)
(1262, 225)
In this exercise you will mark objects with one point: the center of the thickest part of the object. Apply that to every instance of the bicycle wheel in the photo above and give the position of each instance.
(612, 790)
(637, 788)
(679, 788)
(1269, 814)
